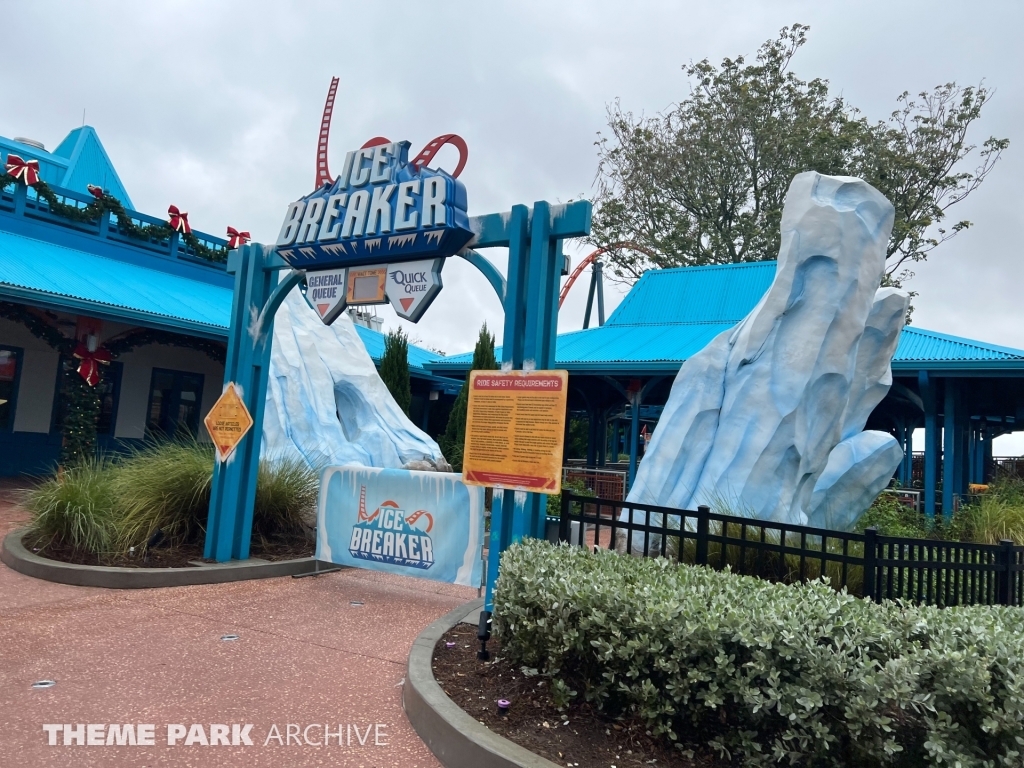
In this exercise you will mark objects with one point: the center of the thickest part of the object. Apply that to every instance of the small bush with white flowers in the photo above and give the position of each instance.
(764, 673)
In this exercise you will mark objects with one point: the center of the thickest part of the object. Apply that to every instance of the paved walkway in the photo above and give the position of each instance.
(305, 656)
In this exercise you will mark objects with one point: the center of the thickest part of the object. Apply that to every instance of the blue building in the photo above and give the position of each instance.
(962, 393)
(162, 303)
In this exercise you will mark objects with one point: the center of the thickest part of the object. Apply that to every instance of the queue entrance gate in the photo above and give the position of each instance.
(263, 278)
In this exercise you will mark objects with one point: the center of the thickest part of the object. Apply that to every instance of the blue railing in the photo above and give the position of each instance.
(18, 200)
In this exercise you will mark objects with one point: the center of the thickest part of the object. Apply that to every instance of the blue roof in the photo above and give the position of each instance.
(79, 160)
(671, 314)
(40, 272)
(714, 294)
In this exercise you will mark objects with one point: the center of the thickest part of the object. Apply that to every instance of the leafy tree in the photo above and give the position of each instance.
(453, 441)
(704, 183)
(394, 368)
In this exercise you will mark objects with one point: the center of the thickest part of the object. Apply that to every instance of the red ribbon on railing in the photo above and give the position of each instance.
(26, 170)
(178, 220)
(236, 238)
(89, 367)
(95, 191)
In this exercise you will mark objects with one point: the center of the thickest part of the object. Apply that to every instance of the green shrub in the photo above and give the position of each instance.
(75, 508)
(893, 518)
(766, 673)
(994, 515)
(577, 487)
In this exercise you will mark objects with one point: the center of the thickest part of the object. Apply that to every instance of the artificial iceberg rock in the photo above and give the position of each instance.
(753, 418)
(327, 404)
(857, 471)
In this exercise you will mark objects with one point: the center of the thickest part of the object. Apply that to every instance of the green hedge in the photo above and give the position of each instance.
(766, 673)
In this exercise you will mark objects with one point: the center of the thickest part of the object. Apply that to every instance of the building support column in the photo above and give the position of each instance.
(908, 455)
(951, 458)
(931, 442)
(634, 433)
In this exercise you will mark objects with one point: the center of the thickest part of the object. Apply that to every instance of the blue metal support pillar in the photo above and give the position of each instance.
(931, 442)
(616, 437)
(950, 449)
(634, 433)
(530, 331)
(256, 298)
(591, 438)
(986, 473)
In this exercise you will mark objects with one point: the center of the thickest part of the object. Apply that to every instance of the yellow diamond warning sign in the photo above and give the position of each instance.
(227, 422)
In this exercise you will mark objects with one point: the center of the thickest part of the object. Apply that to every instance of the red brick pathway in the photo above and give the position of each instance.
(305, 656)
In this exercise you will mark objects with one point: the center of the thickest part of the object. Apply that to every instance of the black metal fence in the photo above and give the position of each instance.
(870, 565)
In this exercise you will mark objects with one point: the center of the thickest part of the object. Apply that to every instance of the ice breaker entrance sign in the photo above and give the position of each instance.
(425, 524)
(381, 212)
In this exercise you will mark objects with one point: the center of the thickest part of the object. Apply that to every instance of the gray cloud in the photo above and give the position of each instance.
(215, 106)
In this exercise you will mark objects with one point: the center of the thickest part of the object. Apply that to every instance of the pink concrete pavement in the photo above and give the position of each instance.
(305, 656)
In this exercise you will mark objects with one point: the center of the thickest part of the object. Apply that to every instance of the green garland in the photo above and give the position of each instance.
(94, 210)
(82, 403)
(215, 350)
(37, 326)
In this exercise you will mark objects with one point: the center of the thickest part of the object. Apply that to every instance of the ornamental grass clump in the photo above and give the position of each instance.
(75, 509)
(165, 486)
(766, 673)
(105, 507)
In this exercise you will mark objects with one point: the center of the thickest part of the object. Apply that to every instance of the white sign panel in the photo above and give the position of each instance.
(425, 524)
(325, 293)
(413, 285)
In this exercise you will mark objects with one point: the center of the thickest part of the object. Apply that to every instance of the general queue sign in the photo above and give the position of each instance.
(515, 427)
(228, 422)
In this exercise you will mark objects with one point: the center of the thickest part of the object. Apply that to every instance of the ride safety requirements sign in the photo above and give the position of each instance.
(515, 430)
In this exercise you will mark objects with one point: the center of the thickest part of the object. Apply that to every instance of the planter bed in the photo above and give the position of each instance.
(589, 739)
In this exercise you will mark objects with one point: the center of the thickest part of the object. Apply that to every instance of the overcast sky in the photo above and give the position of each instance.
(215, 107)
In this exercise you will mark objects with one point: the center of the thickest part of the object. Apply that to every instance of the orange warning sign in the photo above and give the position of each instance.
(515, 429)
(228, 422)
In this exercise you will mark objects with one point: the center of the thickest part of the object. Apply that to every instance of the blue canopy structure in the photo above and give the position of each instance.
(961, 391)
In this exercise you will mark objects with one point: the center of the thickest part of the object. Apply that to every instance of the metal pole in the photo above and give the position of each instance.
(634, 436)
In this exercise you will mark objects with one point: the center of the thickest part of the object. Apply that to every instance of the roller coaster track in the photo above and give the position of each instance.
(591, 259)
(323, 176)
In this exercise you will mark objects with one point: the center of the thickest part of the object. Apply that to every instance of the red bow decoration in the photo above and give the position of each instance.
(95, 191)
(236, 238)
(179, 220)
(89, 368)
(26, 170)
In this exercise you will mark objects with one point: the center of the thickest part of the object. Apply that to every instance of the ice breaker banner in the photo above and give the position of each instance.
(425, 524)
(381, 209)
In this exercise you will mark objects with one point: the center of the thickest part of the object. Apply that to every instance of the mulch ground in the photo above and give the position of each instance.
(579, 736)
(273, 550)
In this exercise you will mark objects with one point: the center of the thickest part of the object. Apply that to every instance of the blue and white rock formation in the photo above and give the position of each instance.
(327, 404)
(766, 420)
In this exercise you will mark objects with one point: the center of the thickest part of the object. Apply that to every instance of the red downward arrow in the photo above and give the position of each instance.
(406, 303)
(323, 308)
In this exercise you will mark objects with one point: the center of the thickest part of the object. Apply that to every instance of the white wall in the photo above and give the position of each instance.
(38, 381)
(33, 408)
(137, 374)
